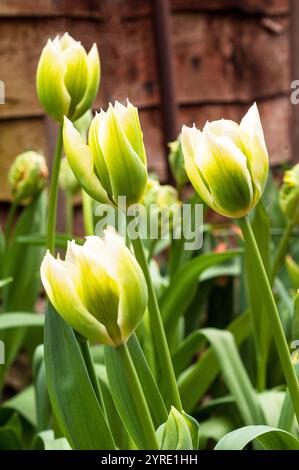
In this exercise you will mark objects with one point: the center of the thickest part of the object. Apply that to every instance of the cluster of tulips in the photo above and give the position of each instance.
(118, 371)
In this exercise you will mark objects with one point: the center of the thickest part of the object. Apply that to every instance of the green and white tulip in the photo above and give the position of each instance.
(227, 163)
(99, 289)
(113, 163)
(67, 78)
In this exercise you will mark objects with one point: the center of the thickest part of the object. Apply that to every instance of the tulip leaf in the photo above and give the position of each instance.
(38, 239)
(20, 319)
(22, 264)
(195, 381)
(268, 437)
(45, 440)
(176, 298)
(72, 396)
(234, 374)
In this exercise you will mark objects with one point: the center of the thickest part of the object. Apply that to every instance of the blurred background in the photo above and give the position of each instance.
(179, 61)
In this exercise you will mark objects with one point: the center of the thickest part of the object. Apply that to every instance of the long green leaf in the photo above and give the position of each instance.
(73, 399)
(196, 380)
(176, 299)
(270, 438)
(20, 319)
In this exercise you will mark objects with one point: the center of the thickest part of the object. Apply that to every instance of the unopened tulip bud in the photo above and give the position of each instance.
(227, 163)
(180, 432)
(67, 180)
(67, 78)
(162, 205)
(99, 289)
(289, 194)
(27, 175)
(177, 164)
(113, 164)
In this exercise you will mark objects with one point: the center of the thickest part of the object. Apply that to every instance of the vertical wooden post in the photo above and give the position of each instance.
(294, 52)
(169, 108)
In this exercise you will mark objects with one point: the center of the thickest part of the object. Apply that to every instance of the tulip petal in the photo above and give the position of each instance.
(129, 121)
(93, 82)
(123, 267)
(257, 151)
(97, 290)
(76, 75)
(98, 157)
(128, 175)
(50, 84)
(190, 139)
(81, 162)
(225, 170)
(63, 296)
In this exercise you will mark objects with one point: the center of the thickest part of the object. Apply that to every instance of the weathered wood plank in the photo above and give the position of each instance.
(132, 8)
(217, 58)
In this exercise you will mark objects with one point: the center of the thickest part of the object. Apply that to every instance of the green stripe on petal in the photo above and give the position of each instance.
(128, 175)
(92, 85)
(224, 167)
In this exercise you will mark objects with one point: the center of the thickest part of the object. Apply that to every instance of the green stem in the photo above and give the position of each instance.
(276, 326)
(137, 393)
(69, 213)
(91, 370)
(10, 218)
(281, 251)
(52, 208)
(87, 213)
(162, 350)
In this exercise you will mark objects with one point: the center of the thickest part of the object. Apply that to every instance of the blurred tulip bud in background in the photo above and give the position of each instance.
(227, 163)
(27, 175)
(179, 432)
(67, 180)
(113, 163)
(99, 289)
(162, 204)
(289, 194)
(177, 164)
(67, 78)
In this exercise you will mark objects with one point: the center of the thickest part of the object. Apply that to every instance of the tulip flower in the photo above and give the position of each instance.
(67, 78)
(99, 289)
(176, 162)
(289, 194)
(227, 163)
(113, 164)
(27, 175)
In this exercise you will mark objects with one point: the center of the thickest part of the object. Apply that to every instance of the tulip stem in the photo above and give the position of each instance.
(162, 350)
(139, 398)
(69, 212)
(10, 218)
(281, 250)
(87, 213)
(270, 307)
(53, 197)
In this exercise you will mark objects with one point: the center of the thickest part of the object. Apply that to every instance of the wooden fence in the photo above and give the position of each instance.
(226, 54)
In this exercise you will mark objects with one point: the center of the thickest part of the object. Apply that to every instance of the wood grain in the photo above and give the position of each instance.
(216, 58)
(132, 8)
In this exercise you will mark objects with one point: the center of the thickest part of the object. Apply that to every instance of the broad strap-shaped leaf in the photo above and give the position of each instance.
(21, 319)
(72, 396)
(176, 299)
(268, 437)
(234, 374)
(195, 381)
